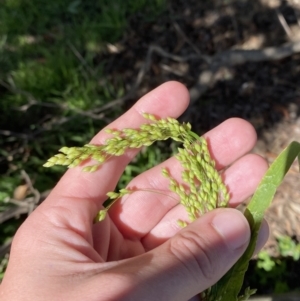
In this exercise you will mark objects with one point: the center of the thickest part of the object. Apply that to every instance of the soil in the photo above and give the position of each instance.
(265, 93)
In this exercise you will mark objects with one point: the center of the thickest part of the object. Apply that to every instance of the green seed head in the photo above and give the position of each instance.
(203, 189)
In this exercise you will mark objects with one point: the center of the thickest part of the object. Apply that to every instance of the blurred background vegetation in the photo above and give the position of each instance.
(68, 68)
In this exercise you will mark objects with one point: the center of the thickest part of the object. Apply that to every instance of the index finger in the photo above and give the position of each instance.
(85, 192)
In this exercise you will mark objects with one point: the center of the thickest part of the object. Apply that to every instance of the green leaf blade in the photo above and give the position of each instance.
(229, 286)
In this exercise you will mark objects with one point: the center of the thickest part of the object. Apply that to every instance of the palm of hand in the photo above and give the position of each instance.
(72, 255)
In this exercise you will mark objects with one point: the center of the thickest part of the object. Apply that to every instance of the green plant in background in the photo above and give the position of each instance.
(3, 264)
(265, 261)
(288, 247)
(52, 72)
(204, 192)
(276, 271)
(7, 186)
(272, 273)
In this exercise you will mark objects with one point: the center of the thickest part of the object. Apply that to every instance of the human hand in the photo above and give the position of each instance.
(138, 252)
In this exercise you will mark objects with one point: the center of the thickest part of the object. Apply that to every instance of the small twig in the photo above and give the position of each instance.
(31, 99)
(15, 134)
(205, 80)
(29, 204)
(34, 102)
(15, 90)
(284, 24)
(169, 69)
(23, 203)
(96, 113)
(177, 58)
(34, 191)
(185, 38)
(81, 59)
(236, 57)
(141, 74)
(17, 210)
(22, 207)
(13, 212)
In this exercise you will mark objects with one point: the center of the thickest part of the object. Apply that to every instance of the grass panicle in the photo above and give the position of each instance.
(202, 188)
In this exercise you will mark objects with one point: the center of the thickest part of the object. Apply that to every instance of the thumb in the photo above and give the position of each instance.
(190, 262)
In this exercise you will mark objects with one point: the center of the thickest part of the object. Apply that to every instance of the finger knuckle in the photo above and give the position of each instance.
(194, 252)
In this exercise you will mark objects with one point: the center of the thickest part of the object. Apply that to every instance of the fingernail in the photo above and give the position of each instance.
(233, 227)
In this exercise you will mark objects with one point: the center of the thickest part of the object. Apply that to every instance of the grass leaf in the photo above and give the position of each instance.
(228, 288)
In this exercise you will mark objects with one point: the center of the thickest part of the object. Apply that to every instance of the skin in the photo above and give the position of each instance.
(138, 252)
